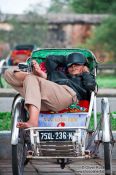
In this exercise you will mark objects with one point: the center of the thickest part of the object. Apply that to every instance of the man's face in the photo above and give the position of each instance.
(75, 69)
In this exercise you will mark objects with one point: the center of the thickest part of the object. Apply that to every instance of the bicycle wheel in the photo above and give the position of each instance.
(108, 158)
(18, 149)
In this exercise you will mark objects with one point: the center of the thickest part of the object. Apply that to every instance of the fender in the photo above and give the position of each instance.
(15, 115)
(105, 120)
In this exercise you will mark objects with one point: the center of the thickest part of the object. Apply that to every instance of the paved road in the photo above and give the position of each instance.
(78, 167)
(50, 167)
(6, 103)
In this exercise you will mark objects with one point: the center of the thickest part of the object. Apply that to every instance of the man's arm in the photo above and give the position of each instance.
(53, 61)
(88, 79)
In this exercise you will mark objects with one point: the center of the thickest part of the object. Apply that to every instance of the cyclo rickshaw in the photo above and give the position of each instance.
(64, 135)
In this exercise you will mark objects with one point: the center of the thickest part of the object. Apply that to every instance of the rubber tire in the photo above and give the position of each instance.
(108, 158)
(17, 166)
(19, 150)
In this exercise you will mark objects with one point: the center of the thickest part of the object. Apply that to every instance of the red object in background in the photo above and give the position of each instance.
(18, 56)
(43, 66)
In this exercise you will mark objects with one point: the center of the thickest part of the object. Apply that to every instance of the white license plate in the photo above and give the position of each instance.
(55, 135)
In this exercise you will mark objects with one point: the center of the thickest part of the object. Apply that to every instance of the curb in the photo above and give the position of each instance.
(106, 93)
(101, 92)
(7, 92)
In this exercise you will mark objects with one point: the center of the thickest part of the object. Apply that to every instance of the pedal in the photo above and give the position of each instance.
(87, 154)
(30, 154)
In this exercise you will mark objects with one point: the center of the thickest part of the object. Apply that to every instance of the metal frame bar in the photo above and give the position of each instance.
(105, 120)
(54, 128)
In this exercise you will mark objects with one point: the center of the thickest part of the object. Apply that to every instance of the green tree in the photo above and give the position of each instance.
(58, 6)
(92, 6)
(104, 37)
(83, 6)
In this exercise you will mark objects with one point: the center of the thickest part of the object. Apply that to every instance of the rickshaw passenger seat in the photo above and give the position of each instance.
(81, 106)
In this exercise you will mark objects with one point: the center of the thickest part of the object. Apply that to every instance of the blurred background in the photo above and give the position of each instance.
(60, 24)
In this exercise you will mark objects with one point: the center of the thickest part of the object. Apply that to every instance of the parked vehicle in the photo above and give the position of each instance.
(20, 53)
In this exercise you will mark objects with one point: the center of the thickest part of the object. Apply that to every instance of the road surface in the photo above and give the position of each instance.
(41, 167)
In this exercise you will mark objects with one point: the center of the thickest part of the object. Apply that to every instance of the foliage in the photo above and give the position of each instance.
(83, 6)
(59, 6)
(92, 7)
(104, 37)
(5, 121)
(113, 121)
(106, 81)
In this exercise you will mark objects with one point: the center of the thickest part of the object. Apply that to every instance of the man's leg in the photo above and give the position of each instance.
(32, 101)
(40, 91)
(33, 118)
(51, 95)
(9, 76)
(56, 97)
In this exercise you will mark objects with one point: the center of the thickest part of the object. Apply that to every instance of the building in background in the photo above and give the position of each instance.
(64, 30)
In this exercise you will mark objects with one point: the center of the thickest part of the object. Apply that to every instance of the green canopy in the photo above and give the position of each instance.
(41, 54)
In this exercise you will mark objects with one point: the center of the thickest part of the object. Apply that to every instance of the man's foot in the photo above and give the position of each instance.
(26, 125)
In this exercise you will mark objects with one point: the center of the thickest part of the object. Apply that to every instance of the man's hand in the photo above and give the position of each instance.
(85, 69)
